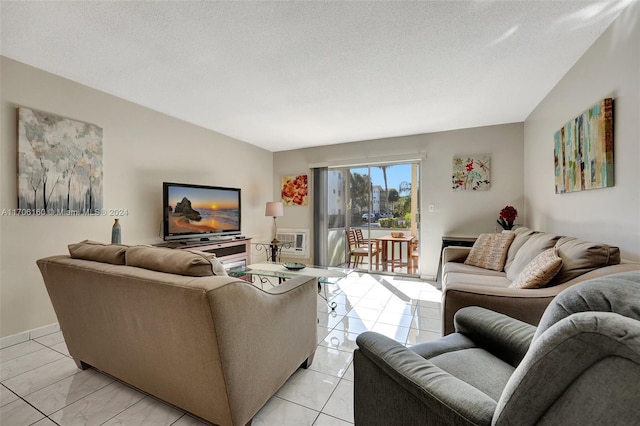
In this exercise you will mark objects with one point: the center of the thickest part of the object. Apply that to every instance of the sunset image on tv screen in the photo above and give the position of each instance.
(202, 210)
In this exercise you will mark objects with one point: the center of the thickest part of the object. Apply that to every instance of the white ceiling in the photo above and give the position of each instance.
(286, 75)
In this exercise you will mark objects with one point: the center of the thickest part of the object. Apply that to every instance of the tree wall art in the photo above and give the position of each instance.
(59, 164)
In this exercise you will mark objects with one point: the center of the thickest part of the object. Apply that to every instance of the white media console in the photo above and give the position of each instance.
(233, 254)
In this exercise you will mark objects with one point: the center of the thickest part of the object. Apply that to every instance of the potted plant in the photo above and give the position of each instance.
(507, 216)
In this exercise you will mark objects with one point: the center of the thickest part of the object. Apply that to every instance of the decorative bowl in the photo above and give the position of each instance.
(294, 266)
(397, 234)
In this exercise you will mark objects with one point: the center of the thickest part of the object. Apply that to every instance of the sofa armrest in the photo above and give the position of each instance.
(395, 385)
(524, 304)
(269, 333)
(505, 337)
(455, 254)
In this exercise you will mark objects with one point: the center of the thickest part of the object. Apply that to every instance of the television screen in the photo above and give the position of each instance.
(198, 211)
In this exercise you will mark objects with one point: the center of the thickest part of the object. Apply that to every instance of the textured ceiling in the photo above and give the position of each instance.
(286, 75)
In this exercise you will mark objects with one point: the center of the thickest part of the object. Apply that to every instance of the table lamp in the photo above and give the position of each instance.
(274, 209)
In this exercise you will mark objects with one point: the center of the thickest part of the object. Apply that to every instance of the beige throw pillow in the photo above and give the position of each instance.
(580, 256)
(216, 266)
(539, 271)
(98, 252)
(535, 244)
(490, 251)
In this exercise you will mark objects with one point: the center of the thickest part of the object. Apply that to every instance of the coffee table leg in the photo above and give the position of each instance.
(332, 305)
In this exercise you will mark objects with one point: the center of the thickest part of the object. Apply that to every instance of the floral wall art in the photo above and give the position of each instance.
(295, 190)
(59, 164)
(583, 150)
(471, 172)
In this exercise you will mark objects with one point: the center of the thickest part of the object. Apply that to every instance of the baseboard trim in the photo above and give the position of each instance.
(28, 335)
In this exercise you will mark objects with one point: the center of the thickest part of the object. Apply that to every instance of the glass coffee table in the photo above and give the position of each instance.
(264, 271)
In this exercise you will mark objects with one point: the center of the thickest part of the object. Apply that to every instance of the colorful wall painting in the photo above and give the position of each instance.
(583, 150)
(295, 190)
(471, 173)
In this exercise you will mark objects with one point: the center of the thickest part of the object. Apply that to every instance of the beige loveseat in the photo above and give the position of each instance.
(467, 285)
(215, 346)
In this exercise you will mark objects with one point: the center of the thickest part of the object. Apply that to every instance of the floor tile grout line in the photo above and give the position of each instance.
(35, 368)
(318, 412)
(82, 397)
(329, 399)
(22, 343)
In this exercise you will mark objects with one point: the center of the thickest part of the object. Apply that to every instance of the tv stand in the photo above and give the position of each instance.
(233, 254)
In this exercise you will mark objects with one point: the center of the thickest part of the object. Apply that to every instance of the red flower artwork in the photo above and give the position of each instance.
(471, 173)
(295, 190)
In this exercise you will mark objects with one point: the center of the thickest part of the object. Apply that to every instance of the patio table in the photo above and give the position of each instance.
(389, 239)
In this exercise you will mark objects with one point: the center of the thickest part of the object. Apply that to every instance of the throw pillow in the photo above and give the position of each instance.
(535, 244)
(522, 235)
(216, 266)
(580, 256)
(490, 251)
(98, 252)
(172, 261)
(539, 271)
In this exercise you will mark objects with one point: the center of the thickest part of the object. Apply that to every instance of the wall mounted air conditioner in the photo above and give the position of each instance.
(298, 242)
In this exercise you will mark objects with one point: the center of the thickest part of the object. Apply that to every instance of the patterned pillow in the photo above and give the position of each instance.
(490, 251)
(539, 271)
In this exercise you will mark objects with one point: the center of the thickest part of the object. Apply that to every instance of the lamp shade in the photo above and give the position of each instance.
(274, 209)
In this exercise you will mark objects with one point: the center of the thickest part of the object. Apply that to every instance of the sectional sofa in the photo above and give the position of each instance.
(466, 284)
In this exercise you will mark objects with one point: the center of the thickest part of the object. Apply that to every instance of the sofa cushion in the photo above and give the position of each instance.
(490, 251)
(536, 244)
(477, 367)
(174, 261)
(580, 256)
(468, 269)
(539, 271)
(216, 266)
(98, 252)
(476, 280)
(522, 236)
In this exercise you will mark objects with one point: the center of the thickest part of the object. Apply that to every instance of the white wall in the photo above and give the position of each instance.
(456, 213)
(142, 148)
(610, 68)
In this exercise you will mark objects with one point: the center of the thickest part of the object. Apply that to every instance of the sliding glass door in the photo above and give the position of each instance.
(374, 201)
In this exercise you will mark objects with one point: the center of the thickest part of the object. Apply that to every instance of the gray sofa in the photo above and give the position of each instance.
(466, 285)
(580, 366)
(170, 323)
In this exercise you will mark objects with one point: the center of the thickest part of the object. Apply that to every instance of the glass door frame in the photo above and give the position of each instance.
(414, 196)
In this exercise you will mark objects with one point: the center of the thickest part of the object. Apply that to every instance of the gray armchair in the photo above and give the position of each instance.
(581, 365)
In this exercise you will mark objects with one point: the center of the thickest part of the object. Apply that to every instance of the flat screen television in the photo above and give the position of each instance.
(200, 212)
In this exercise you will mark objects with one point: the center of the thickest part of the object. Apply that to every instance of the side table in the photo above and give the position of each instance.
(272, 249)
(450, 240)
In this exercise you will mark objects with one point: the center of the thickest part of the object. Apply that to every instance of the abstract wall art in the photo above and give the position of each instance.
(295, 190)
(59, 165)
(583, 150)
(471, 172)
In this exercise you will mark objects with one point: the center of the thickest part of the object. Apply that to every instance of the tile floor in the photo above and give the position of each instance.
(41, 385)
